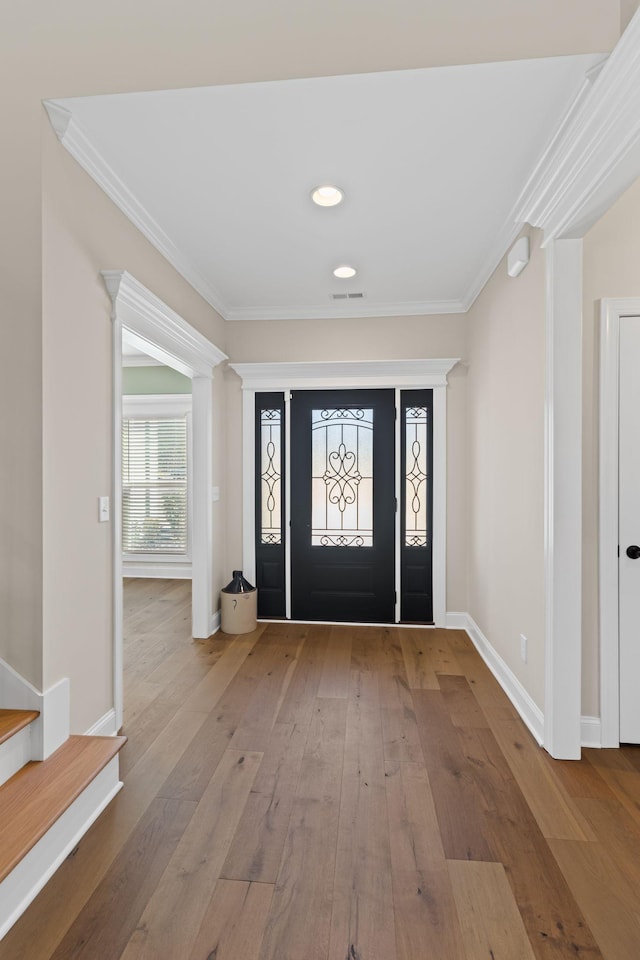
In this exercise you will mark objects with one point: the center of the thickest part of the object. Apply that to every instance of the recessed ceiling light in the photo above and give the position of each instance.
(327, 196)
(344, 272)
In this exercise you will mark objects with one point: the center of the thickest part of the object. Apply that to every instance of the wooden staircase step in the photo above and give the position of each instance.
(38, 794)
(12, 721)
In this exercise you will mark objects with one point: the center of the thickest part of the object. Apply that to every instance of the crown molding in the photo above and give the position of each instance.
(596, 155)
(73, 138)
(338, 310)
(501, 243)
(579, 175)
(158, 330)
(139, 360)
(345, 373)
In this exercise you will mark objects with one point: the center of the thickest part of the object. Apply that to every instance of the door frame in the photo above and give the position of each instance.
(612, 310)
(161, 333)
(352, 375)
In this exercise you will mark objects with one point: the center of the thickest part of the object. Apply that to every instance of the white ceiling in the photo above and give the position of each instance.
(432, 163)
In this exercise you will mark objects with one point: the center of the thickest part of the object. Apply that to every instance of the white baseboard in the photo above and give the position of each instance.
(456, 621)
(530, 713)
(214, 623)
(29, 877)
(153, 571)
(51, 729)
(590, 733)
(105, 726)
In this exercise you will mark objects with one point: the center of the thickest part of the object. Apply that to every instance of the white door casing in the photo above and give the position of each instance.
(157, 330)
(629, 529)
(405, 374)
(613, 532)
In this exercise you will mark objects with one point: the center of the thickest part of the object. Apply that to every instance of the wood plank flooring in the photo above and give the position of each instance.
(310, 792)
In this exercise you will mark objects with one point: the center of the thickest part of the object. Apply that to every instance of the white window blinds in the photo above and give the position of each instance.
(154, 486)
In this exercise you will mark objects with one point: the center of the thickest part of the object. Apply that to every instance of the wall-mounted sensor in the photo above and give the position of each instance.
(518, 257)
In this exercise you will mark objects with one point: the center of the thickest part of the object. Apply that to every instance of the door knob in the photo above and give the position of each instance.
(633, 552)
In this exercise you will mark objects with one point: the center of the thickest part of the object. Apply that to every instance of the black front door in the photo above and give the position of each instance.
(343, 505)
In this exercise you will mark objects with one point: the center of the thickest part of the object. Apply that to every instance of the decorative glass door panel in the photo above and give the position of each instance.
(416, 450)
(342, 477)
(415, 476)
(271, 475)
(269, 484)
(343, 505)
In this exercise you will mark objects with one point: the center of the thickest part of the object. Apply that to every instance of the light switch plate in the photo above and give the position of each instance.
(103, 509)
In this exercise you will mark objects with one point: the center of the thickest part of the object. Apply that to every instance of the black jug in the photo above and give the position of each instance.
(238, 584)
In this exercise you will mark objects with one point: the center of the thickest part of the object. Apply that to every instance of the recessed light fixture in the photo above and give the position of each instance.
(327, 196)
(344, 272)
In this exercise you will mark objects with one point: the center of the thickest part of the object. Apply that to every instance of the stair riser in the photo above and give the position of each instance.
(15, 753)
(27, 879)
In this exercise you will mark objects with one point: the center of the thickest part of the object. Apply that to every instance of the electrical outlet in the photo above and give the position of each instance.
(523, 647)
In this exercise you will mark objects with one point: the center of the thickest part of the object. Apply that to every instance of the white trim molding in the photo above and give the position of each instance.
(139, 360)
(214, 623)
(154, 404)
(563, 500)
(593, 159)
(73, 138)
(590, 732)
(596, 154)
(105, 726)
(611, 312)
(390, 374)
(15, 753)
(156, 569)
(344, 374)
(158, 330)
(339, 311)
(52, 727)
(530, 713)
(30, 875)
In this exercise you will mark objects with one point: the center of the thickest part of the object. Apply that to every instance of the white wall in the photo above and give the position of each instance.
(611, 269)
(506, 460)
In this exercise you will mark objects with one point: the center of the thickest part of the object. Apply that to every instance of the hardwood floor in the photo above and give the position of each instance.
(308, 792)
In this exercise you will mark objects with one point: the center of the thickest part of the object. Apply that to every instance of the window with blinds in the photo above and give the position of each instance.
(154, 486)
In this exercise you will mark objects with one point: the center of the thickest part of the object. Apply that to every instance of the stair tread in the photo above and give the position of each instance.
(12, 721)
(38, 794)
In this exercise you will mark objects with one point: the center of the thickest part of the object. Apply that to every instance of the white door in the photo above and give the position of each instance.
(629, 529)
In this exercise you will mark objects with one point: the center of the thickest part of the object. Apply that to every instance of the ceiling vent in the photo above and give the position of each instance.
(347, 296)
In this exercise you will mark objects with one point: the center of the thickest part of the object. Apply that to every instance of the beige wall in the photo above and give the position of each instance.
(611, 269)
(76, 325)
(75, 48)
(362, 339)
(506, 466)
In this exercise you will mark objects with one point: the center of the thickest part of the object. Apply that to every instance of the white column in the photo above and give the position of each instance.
(202, 546)
(248, 484)
(116, 522)
(439, 561)
(563, 499)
